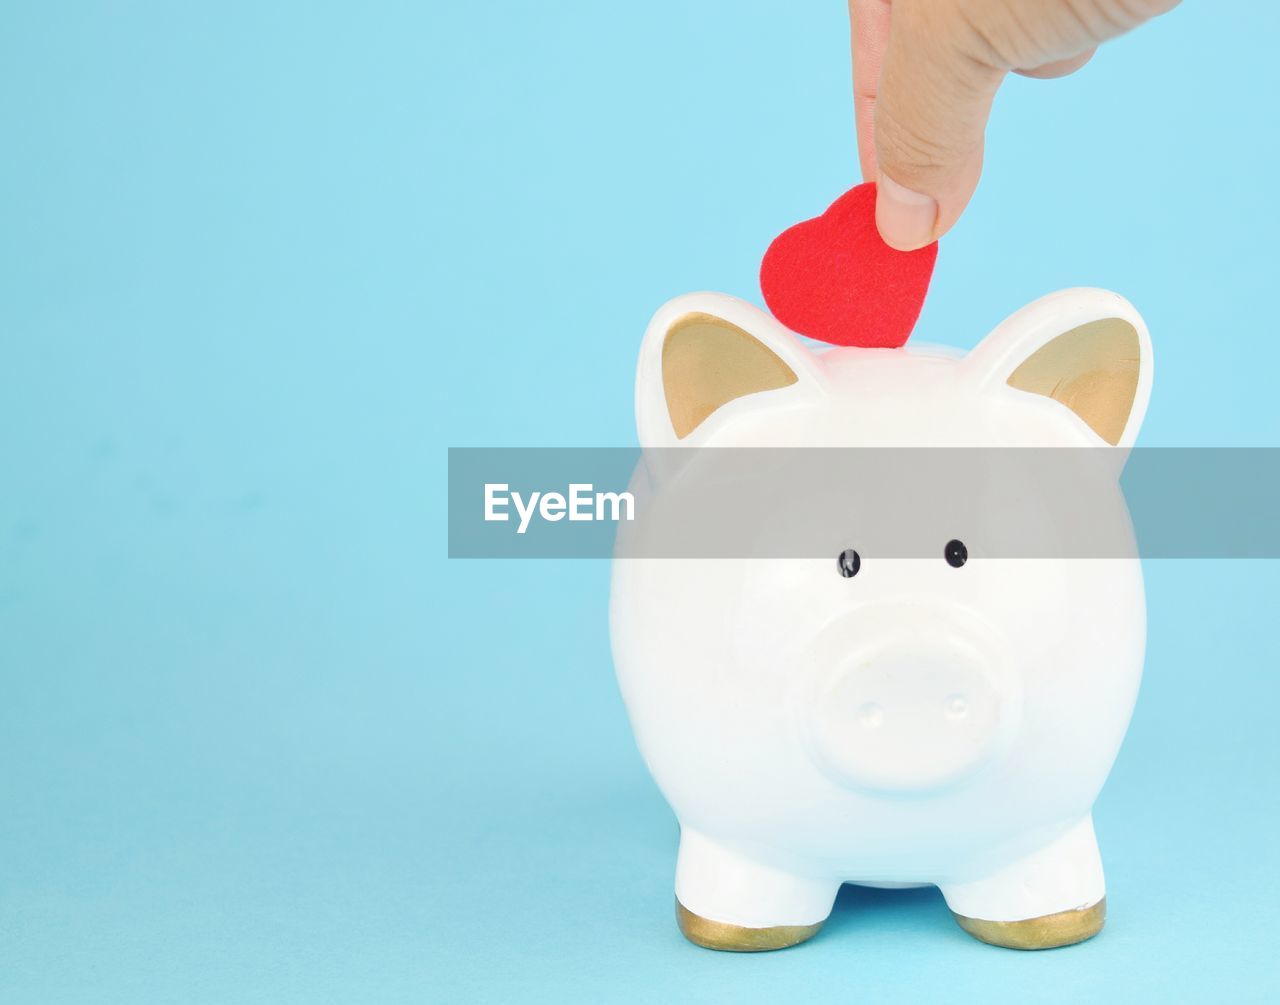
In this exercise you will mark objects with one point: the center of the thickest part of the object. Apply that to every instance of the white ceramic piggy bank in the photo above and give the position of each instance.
(946, 720)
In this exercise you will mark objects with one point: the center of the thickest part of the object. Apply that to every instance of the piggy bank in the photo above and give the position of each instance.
(946, 718)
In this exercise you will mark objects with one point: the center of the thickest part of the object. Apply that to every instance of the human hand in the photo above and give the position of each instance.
(924, 76)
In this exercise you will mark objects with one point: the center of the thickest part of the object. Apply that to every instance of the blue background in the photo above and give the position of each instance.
(261, 263)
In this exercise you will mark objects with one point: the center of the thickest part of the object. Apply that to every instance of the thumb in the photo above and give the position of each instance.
(934, 100)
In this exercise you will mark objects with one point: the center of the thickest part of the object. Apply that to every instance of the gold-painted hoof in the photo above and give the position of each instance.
(737, 939)
(1065, 928)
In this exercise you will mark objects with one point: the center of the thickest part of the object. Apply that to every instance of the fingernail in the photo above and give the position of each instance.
(906, 219)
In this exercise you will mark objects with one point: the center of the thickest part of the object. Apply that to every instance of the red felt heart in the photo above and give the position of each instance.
(833, 278)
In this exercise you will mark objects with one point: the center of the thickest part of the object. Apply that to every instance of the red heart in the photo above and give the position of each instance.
(833, 278)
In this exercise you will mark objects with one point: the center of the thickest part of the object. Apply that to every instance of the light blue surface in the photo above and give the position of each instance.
(262, 262)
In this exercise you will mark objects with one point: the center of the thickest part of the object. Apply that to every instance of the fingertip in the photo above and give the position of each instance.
(907, 220)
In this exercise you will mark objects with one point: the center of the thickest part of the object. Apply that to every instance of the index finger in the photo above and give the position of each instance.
(869, 37)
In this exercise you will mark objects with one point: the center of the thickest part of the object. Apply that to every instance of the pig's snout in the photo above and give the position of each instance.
(914, 713)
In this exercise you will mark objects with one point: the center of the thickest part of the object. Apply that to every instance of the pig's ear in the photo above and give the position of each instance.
(1087, 350)
(707, 357)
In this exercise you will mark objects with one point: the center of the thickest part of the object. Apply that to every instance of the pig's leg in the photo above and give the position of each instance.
(725, 900)
(1053, 897)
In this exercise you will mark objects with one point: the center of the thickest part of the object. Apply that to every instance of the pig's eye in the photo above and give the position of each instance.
(955, 553)
(848, 562)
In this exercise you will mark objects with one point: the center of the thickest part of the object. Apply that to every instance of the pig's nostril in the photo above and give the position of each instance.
(956, 706)
(870, 715)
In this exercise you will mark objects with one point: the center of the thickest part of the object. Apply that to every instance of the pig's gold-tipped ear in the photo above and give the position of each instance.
(1087, 350)
(1092, 370)
(708, 362)
(704, 352)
